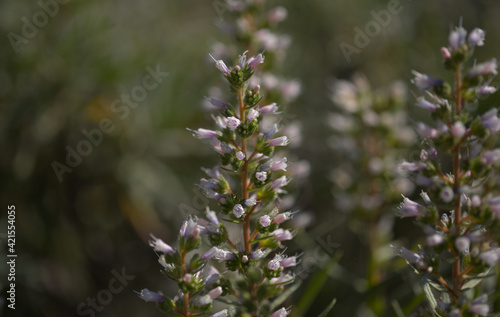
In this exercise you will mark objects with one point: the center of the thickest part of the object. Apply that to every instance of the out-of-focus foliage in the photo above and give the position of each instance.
(371, 134)
(72, 234)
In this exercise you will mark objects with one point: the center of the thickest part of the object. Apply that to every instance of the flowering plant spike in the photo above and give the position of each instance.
(371, 132)
(459, 173)
(243, 263)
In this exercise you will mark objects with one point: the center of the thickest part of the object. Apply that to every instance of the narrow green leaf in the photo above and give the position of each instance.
(438, 287)
(328, 308)
(473, 281)
(413, 304)
(397, 308)
(281, 298)
(315, 285)
(431, 299)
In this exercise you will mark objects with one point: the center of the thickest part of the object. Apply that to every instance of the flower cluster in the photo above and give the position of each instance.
(371, 133)
(457, 169)
(255, 31)
(244, 233)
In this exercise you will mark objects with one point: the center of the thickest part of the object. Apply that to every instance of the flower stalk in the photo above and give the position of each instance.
(231, 227)
(457, 214)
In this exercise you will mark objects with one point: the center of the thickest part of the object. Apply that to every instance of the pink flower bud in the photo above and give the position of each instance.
(445, 52)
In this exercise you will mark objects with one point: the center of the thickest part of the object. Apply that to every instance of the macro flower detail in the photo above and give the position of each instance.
(476, 37)
(409, 208)
(462, 206)
(281, 141)
(238, 210)
(149, 296)
(261, 176)
(282, 235)
(242, 195)
(446, 194)
(160, 246)
(282, 312)
(255, 60)
(486, 68)
(269, 109)
(425, 82)
(274, 264)
(204, 133)
(479, 306)
(289, 261)
(462, 244)
(265, 221)
(233, 123)
(423, 103)
(217, 103)
(457, 38)
(240, 155)
(221, 66)
(409, 256)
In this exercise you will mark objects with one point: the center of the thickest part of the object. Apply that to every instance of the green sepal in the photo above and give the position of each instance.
(231, 200)
(189, 244)
(247, 129)
(477, 128)
(205, 308)
(271, 273)
(270, 228)
(269, 243)
(257, 183)
(267, 291)
(266, 195)
(262, 146)
(443, 90)
(234, 264)
(194, 286)
(236, 164)
(166, 306)
(224, 187)
(254, 274)
(225, 159)
(218, 238)
(252, 98)
(196, 264)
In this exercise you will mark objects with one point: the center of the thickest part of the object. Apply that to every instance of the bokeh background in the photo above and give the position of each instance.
(72, 234)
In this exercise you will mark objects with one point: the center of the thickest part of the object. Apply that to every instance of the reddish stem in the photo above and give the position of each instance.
(456, 171)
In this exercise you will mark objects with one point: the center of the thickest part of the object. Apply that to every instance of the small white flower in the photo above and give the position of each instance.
(238, 210)
(446, 194)
(462, 244)
(261, 176)
(458, 130)
(265, 221)
(233, 123)
(476, 37)
(252, 115)
(149, 296)
(240, 155)
(160, 246)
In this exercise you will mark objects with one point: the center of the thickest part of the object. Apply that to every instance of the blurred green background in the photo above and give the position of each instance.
(73, 233)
